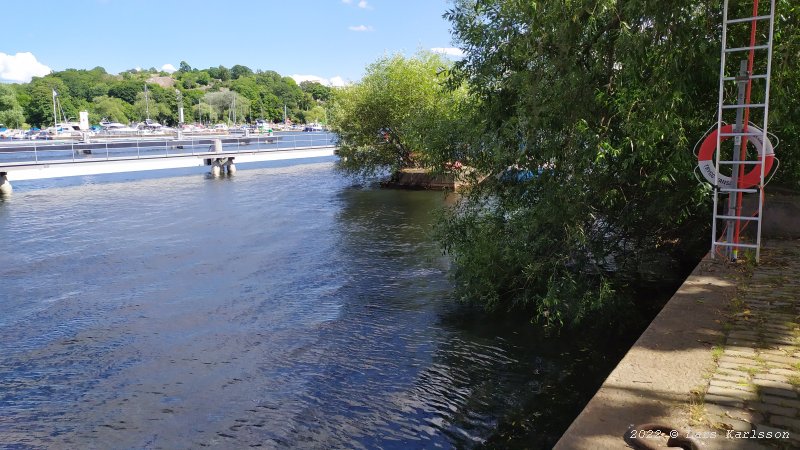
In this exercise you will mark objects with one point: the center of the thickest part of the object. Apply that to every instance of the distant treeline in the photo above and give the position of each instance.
(207, 95)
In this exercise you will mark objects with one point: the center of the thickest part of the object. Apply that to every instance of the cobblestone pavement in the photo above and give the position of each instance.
(756, 385)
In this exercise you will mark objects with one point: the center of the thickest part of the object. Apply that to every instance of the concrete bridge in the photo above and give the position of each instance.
(34, 160)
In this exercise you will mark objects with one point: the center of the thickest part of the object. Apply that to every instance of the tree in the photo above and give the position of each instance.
(184, 67)
(11, 113)
(220, 73)
(223, 102)
(785, 115)
(189, 83)
(316, 114)
(203, 79)
(126, 90)
(318, 91)
(110, 108)
(589, 111)
(39, 110)
(388, 120)
(239, 71)
(85, 84)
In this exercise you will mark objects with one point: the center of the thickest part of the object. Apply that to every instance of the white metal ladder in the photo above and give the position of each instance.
(729, 242)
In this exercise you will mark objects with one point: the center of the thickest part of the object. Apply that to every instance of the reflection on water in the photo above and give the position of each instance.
(280, 307)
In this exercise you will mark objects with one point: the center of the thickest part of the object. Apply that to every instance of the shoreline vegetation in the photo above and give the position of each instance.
(582, 126)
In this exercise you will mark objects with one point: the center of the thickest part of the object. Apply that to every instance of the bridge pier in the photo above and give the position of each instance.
(231, 168)
(219, 166)
(5, 185)
(216, 163)
(216, 168)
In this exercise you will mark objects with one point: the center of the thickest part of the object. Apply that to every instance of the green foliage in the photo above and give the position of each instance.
(784, 116)
(222, 104)
(593, 103)
(203, 112)
(318, 91)
(397, 115)
(10, 111)
(219, 73)
(39, 109)
(110, 108)
(85, 84)
(126, 90)
(239, 71)
(161, 103)
(121, 98)
(316, 114)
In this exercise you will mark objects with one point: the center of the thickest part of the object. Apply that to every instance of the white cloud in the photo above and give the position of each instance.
(360, 28)
(449, 51)
(169, 68)
(336, 81)
(363, 4)
(21, 67)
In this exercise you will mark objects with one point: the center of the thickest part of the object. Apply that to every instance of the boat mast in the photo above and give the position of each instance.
(146, 104)
(55, 115)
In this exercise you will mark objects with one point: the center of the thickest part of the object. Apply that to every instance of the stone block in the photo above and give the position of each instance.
(724, 384)
(768, 408)
(723, 400)
(778, 392)
(789, 423)
(774, 384)
(731, 392)
(780, 401)
(740, 377)
(780, 371)
(772, 377)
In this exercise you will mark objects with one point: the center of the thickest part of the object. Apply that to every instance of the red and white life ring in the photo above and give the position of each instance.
(752, 178)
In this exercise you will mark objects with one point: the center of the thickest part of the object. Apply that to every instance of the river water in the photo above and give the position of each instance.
(282, 307)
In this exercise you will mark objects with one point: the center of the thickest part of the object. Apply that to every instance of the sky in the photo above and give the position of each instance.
(331, 41)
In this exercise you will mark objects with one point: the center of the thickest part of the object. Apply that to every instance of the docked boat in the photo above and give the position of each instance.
(65, 130)
(7, 133)
(116, 128)
(150, 127)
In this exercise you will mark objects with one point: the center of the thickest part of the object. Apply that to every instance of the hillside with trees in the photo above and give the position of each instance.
(206, 94)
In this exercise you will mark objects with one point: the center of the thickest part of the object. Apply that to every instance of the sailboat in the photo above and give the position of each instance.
(64, 128)
(232, 117)
(148, 126)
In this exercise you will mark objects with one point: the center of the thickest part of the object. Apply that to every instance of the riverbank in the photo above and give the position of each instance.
(422, 179)
(721, 358)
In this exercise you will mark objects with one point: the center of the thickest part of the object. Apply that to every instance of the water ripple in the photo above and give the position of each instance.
(277, 308)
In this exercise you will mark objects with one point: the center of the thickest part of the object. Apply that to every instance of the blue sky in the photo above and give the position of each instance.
(330, 39)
